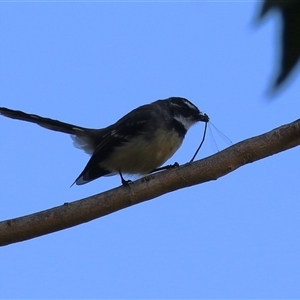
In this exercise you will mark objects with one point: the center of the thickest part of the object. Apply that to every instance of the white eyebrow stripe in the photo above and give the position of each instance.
(190, 105)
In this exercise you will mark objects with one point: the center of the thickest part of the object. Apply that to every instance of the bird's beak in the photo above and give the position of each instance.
(202, 117)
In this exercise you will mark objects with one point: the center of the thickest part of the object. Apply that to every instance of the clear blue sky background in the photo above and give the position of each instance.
(90, 63)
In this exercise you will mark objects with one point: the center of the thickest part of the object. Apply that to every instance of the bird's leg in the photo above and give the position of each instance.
(175, 165)
(124, 182)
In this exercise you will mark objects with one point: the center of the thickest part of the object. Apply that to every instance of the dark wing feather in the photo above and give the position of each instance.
(117, 134)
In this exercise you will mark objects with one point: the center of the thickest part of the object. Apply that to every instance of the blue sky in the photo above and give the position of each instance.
(89, 63)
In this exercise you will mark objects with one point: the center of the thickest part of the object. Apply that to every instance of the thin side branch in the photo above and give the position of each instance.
(152, 186)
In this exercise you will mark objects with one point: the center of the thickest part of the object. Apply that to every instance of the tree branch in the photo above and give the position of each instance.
(154, 185)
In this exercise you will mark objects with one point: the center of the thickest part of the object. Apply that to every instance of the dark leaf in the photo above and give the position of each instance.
(289, 37)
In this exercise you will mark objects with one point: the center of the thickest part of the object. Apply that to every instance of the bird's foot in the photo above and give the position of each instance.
(125, 183)
(175, 165)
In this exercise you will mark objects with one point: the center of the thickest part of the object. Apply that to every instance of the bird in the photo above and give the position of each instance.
(137, 144)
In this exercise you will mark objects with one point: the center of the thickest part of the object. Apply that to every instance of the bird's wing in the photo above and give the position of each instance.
(117, 134)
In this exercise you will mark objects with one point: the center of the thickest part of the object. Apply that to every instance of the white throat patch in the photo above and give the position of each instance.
(187, 123)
